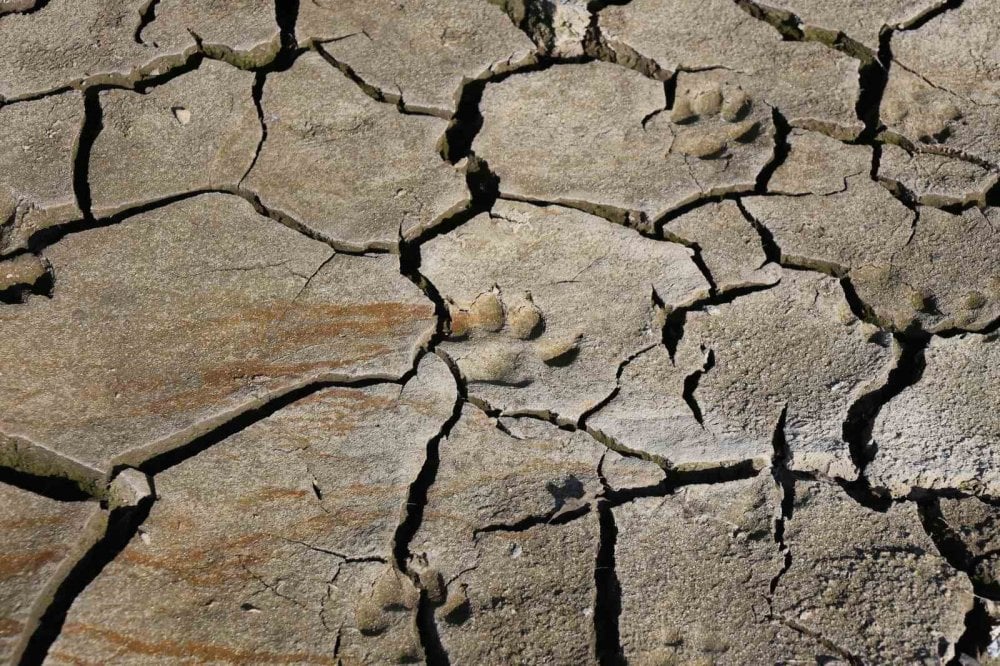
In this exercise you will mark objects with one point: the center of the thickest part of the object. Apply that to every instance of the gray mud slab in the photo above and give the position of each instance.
(602, 332)
(541, 326)
(274, 546)
(174, 321)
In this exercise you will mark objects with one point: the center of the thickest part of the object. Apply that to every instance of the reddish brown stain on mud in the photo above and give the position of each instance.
(12, 565)
(190, 650)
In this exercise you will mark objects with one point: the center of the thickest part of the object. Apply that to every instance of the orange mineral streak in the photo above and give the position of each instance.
(223, 381)
(339, 518)
(193, 651)
(59, 657)
(342, 410)
(10, 628)
(272, 494)
(12, 565)
(207, 564)
(33, 522)
(353, 333)
(294, 322)
(204, 561)
(362, 319)
(355, 400)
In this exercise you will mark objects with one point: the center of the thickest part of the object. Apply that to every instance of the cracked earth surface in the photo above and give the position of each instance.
(603, 332)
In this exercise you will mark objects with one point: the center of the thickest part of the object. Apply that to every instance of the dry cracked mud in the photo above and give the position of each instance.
(646, 332)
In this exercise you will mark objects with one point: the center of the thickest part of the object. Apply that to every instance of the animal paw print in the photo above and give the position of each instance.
(923, 113)
(385, 614)
(508, 339)
(452, 605)
(710, 118)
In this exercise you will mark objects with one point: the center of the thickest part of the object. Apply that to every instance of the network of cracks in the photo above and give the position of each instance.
(522, 331)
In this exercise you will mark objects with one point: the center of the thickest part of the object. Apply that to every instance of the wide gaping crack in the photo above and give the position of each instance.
(147, 14)
(53, 487)
(905, 372)
(24, 275)
(675, 320)
(257, 93)
(691, 385)
(36, 464)
(607, 591)
(873, 77)
(785, 481)
(456, 142)
(89, 130)
(409, 524)
(978, 623)
(102, 541)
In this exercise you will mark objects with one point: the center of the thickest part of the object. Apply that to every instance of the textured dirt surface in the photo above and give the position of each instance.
(647, 332)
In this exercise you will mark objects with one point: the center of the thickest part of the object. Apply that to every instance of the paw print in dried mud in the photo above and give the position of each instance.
(508, 340)
(922, 113)
(386, 613)
(709, 118)
(450, 601)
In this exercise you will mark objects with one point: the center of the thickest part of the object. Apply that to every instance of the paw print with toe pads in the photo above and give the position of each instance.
(507, 339)
(710, 117)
